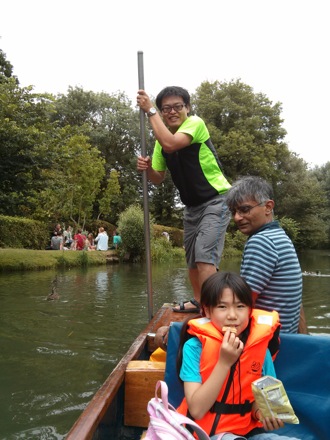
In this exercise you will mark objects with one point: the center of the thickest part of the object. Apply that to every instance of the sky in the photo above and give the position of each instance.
(278, 47)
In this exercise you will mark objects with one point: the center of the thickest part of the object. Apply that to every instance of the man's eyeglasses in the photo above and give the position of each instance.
(244, 209)
(175, 107)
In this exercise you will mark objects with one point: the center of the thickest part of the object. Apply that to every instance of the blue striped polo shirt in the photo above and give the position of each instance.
(271, 267)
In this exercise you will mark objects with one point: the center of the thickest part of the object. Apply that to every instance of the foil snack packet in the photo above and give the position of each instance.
(271, 398)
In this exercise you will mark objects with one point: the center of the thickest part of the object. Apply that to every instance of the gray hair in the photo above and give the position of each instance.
(248, 188)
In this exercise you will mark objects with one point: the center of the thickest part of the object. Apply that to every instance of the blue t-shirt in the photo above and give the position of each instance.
(192, 350)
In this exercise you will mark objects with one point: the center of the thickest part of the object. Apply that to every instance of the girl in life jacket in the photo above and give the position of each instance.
(221, 354)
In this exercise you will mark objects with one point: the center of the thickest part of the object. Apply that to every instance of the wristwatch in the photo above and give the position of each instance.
(152, 112)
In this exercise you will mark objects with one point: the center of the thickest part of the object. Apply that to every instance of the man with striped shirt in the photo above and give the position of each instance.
(269, 264)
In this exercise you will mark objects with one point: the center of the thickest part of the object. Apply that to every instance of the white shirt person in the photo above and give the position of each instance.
(102, 240)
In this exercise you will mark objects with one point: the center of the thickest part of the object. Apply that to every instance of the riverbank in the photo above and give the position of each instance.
(26, 259)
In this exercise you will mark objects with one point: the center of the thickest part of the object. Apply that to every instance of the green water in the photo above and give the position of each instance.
(55, 354)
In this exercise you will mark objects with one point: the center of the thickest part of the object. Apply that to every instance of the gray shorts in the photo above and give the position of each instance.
(204, 231)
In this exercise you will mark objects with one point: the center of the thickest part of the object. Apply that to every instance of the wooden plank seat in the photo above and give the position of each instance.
(140, 382)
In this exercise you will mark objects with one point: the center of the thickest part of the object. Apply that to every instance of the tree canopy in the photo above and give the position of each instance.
(72, 157)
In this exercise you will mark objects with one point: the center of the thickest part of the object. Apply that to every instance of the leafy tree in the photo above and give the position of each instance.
(6, 68)
(73, 182)
(245, 128)
(299, 196)
(109, 195)
(291, 228)
(112, 126)
(24, 129)
(74, 156)
(164, 201)
(322, 174)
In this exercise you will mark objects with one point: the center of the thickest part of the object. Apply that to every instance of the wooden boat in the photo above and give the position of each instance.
(118, 409)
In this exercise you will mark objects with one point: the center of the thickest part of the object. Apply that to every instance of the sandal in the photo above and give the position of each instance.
(182, 308)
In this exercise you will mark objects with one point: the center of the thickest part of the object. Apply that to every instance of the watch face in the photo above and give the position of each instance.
(152, 111)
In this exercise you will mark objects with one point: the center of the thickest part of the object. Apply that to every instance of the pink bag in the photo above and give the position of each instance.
(166, 423)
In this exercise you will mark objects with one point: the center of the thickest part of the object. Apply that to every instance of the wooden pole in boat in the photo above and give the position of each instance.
(145, 191)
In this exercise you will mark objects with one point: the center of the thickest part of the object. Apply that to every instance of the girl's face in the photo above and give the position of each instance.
(229, 312)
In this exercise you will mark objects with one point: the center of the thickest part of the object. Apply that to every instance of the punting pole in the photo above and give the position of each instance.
(145, 192)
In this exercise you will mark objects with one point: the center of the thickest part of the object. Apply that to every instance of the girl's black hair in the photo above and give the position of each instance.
(211, 294)
(213, 287)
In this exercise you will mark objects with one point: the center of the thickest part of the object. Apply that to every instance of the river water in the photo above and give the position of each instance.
(55, 354)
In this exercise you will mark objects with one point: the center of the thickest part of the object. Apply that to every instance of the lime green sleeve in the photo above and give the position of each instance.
(158, 160)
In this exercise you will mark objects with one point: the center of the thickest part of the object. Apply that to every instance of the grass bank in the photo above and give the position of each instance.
(25, 259)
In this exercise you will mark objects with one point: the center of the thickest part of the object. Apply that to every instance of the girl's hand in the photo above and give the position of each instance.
(271, 423)
(231, 348)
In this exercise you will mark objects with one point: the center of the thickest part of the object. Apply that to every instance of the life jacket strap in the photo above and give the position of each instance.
(232, 408)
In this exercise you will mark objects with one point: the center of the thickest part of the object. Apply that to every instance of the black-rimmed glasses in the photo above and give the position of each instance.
(245, 209)
(175, 107)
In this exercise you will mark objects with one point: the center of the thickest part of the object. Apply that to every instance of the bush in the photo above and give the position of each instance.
(19, 232)
(131, 229)
(176, 235)
(162, 251)
(290, 227)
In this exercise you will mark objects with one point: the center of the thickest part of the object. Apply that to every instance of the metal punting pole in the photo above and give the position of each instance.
(145, 192)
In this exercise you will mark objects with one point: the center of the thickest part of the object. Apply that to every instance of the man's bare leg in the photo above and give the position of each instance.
(197, 276)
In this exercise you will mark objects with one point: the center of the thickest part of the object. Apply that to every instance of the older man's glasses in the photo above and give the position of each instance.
(175, 107)
(244, 209)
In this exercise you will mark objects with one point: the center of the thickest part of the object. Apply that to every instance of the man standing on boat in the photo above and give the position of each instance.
(183, 146)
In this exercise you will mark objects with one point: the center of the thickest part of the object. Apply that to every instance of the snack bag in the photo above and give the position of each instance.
(271, 398)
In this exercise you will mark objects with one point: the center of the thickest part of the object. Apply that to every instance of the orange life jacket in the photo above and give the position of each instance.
(249, 368)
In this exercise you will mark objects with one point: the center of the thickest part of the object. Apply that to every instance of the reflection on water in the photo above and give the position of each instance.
(55, 354)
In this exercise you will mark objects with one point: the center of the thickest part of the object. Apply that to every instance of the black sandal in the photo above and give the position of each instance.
(182, 308)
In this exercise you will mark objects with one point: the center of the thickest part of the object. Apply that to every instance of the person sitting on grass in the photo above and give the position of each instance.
(102, 240)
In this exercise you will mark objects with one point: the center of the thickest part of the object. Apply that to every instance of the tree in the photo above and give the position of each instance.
(164, 201)
(322, 175)
(24, 129)
(113, 127)
(109, 195)
(299, 196)
(245, 128)
(73, 183)
(6, 68)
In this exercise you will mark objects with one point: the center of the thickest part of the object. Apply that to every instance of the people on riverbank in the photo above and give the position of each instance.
(89, 243)
(116, 241)
(79, 240)
(67, 237)
(183, 146)
(57, 229)
(102, 240)
(56, 242)
(166, 235)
